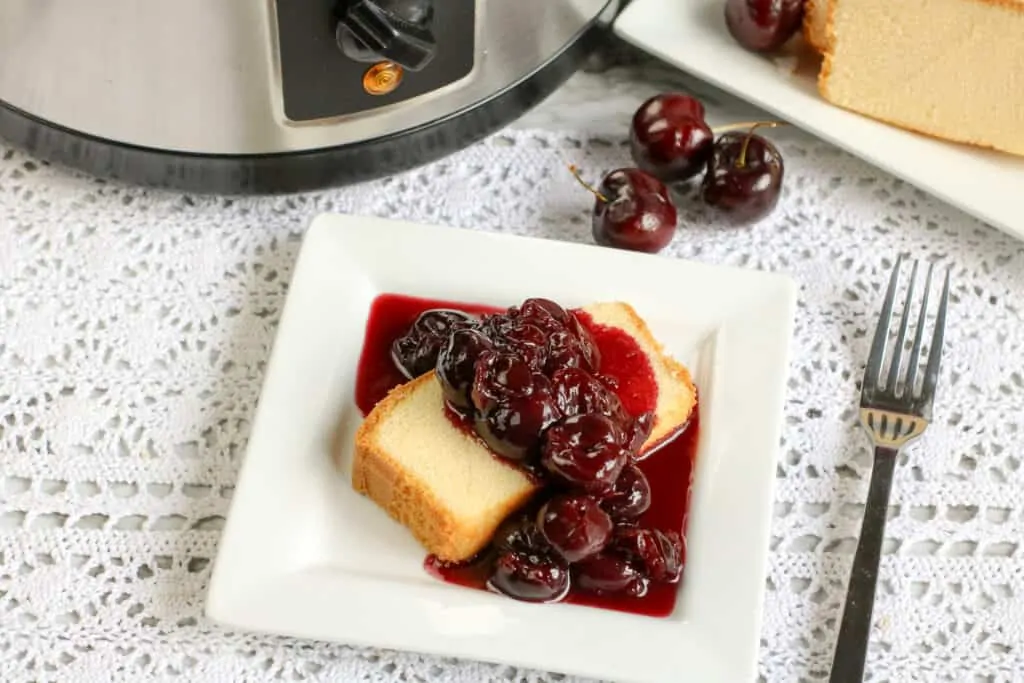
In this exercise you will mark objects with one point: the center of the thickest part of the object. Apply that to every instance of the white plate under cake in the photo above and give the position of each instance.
(304, 554)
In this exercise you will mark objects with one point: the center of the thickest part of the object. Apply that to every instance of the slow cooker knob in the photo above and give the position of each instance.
(395, 30)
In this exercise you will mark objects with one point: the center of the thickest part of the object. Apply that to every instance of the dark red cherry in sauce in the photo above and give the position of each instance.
(390, 317)
(630, 496)
(530, 556)
(575, 526)
(609, 574)
(456, 363)
(585, 451)
(659, 554)
(530, 576)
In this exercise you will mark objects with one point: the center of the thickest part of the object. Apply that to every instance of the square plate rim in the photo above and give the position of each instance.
(975, 185)
(227, 601)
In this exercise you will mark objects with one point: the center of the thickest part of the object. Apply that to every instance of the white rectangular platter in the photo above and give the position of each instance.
(691, 35)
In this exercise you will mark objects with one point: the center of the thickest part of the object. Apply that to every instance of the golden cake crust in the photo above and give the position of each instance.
(377, 475)
(813, 25)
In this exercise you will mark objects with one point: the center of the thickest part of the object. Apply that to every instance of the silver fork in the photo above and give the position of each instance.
(895, 409)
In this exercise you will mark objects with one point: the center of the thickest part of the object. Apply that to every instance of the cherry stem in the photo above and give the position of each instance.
(746, 125)
(750, 126)
(574, 169)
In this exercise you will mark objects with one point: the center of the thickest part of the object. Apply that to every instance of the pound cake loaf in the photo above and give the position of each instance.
(952, 69)
(440, 480)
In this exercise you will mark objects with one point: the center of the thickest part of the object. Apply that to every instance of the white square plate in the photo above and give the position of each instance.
(302, 554)
(691, 34)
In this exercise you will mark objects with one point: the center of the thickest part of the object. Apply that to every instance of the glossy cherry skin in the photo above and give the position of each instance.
(520, 534)
(630, 496)
(591, 354)
(456, 365)
(745, 187)
(564, 350)
(495, 325)
(513, 404)
(634, 212)
(512, 427)
(638, 432)
(571, 347)
(575, 526)
(608, 573)
(544, 313)
(530, 576)
(526, 341)
(500, 376)
(578, 392)
(585, 451)
(763, 25)
(660, 554)
(669, 138)
(415, 352)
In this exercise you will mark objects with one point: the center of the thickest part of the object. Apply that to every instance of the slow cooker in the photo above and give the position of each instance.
(256, 96)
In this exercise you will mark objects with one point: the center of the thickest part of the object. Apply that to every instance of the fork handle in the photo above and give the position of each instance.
(855, 627)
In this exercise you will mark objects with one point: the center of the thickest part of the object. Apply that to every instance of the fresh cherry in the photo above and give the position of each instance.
(630, 496)
(575, 526)
(744, 178)
(415, 352)
(608, 573)
(763, 25)
(669, 138)
(585, 451)
(533, 577)
(633, 211)
(659, 553)
(456, 364)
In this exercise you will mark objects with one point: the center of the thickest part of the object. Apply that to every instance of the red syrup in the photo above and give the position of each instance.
(669, 469)
(670, 473)
(623, 359)
(390, 316)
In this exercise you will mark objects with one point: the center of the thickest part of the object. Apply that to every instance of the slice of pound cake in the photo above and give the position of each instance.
(432, 476)
(815, 28)
(453, 476)
(953, 69)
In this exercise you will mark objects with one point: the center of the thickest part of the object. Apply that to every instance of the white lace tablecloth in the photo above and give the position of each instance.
(135, 326)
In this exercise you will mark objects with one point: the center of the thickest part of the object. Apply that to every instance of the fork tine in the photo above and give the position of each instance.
(901, 336)
(874, 365)
(915, 352)
(931, 373)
